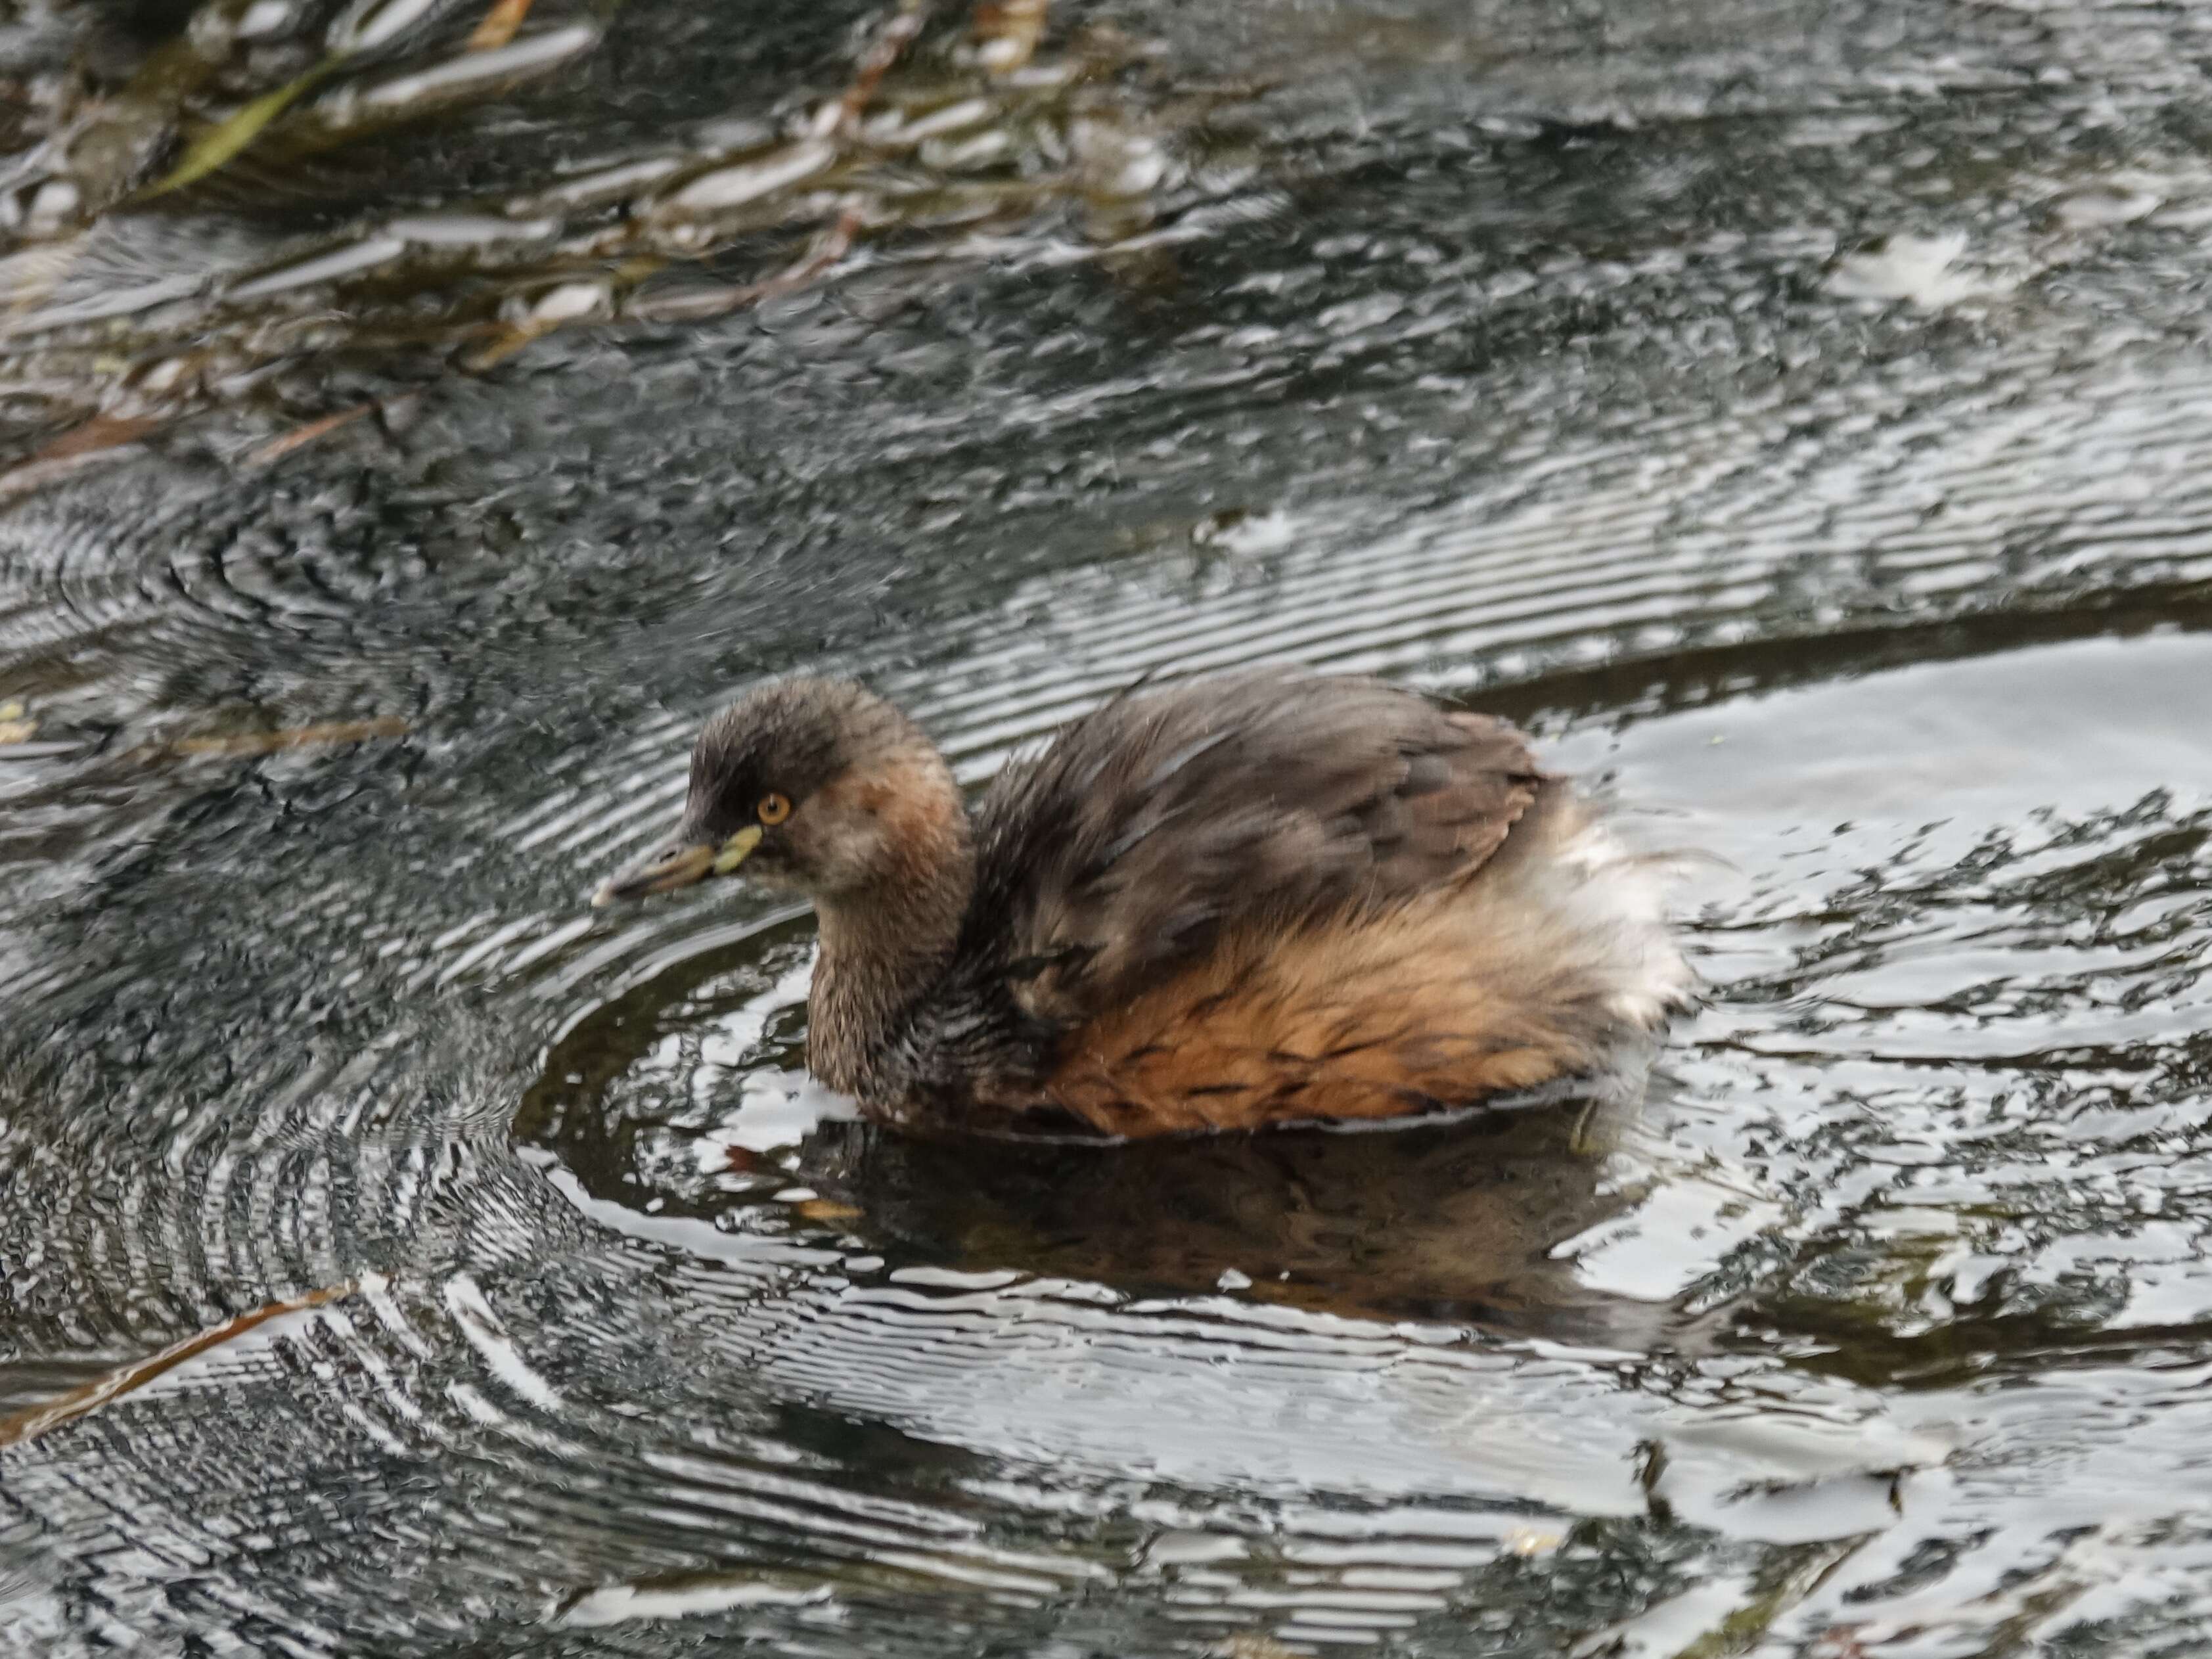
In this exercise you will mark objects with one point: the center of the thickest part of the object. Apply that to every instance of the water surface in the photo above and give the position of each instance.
(1796, 415)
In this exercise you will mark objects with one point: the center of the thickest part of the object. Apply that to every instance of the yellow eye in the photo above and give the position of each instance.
(775, 809)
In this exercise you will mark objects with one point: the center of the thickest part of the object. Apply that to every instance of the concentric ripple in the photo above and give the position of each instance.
(1798, 417)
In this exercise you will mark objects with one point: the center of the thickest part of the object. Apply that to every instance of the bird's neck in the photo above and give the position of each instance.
(886, 946)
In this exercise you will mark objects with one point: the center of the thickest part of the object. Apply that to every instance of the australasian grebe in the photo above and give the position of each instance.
(1252, 899)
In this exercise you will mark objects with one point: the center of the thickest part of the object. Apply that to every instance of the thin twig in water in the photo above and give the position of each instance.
(883, 52)
(101, 432)
(300, 437)
(499, 24)
(99, 437)
(64, 1408)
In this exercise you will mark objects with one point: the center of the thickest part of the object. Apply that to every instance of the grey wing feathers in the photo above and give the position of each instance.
(1123, 852)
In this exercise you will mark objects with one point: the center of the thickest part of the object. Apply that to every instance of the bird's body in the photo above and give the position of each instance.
(1247, 900)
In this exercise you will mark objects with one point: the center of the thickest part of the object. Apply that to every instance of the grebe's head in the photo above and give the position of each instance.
(813, 785)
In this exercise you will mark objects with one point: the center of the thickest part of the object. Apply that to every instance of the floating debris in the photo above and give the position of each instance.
(97, 437)
(499, 24)
(220, 144)
(1007, 33)
(939, 133)
(1926, 270)
(297, 737)
(300, 437)
(49, 1414)
(686, 1598)
(1534, 1541)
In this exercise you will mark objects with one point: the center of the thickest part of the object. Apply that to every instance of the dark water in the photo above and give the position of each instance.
(1800, 414)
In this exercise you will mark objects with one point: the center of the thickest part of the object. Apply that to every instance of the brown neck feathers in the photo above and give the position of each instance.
(887, 942)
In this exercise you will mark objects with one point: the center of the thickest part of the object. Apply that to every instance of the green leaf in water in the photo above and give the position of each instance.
(220, 143)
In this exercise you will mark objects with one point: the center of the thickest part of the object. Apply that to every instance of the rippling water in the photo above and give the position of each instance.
(1798, 416)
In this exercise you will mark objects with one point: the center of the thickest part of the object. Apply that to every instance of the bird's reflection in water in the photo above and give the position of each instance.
(1472, 1219)
(1458, 1220)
